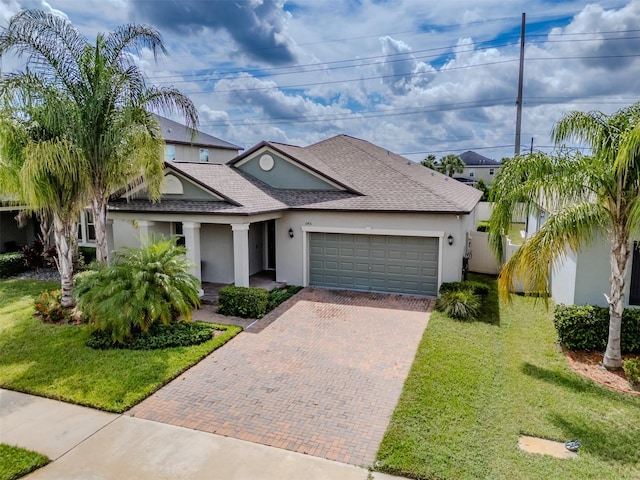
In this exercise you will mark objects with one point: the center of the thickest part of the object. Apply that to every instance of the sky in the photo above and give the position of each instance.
(416, 77)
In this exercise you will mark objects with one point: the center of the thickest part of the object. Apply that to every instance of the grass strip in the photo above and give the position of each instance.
(16, 462)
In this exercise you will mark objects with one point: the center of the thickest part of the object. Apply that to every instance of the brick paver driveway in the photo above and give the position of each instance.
(322, 378)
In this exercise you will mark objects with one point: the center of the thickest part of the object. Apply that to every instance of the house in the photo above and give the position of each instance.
(12, 234)
(477, 167)
(341, 213)
(584, 276)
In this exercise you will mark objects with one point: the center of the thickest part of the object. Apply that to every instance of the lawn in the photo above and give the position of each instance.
(16, 462)
(475, 387)
(53, 361)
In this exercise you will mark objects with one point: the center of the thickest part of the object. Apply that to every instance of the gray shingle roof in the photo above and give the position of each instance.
(473, 159)
(174, 132)
(378, 180)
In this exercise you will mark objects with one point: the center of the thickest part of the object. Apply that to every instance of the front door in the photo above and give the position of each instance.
(271, 244)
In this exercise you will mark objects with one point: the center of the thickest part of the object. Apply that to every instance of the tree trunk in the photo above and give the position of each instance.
(619, 256)
(99, 208)
(61, 234)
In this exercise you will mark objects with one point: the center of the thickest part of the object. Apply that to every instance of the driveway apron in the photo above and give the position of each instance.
(322, 376)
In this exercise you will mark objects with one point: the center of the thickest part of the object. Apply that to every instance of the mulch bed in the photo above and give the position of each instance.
(588, 364)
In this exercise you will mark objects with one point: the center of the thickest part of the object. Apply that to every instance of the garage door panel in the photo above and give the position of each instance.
(382, 263)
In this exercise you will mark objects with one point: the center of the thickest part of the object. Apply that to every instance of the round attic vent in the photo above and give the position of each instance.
(266, 162)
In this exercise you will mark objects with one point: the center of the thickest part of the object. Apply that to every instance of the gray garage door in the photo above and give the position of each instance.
(379, 263)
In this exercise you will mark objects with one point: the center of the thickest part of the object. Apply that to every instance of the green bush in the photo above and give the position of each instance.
(631, 369)
(88, 254)
(460, 304)
(12, 264)
(244, 302)
(179, 334)
(280, 295)
(586, 327)
(144, 286)
(482, 226)
(478, 288)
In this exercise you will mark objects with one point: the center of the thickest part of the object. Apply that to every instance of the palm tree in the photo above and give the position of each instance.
(450, 165)
(430, 162)
(108, 124)
(44, 171)
(585, 195)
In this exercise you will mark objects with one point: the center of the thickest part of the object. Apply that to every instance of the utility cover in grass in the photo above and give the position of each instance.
(544, 447)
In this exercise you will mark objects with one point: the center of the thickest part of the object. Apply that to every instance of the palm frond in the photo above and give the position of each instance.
(569, 229)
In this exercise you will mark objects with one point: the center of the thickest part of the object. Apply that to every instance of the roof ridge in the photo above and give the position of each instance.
(391, 165)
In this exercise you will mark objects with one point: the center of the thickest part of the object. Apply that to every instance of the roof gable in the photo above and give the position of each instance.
(174, 132)
(473, 159)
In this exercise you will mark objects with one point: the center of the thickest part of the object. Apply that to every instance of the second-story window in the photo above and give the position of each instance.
(169, 153)
(491, 171)
(204, 155)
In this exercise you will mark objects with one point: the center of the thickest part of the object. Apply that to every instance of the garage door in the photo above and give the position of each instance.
(379, 263)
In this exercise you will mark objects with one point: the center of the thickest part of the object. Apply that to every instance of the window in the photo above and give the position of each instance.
(177, 231)
(204, 155)
(91, 228)
(86, 228)
(169, 153)
(472, 173)
(491, 171)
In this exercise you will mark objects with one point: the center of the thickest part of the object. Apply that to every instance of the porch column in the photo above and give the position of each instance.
(110, 244)
(241, 254)
(191, 231)
(145, 228)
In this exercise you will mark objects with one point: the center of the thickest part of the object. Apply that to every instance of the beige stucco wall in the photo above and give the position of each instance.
(290, 252)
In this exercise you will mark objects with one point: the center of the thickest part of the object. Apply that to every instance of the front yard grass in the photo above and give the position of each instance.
(16, 462)
(475, 387)
(53, 361)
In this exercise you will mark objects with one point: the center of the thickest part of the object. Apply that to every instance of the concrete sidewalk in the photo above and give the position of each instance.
(85, 443)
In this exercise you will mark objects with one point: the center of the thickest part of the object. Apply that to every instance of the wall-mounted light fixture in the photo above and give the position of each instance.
(291, 233)
(450, 239)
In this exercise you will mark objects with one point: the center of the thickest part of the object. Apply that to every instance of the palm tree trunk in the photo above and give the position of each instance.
(64, 262)
(99, 208)
(619, 256)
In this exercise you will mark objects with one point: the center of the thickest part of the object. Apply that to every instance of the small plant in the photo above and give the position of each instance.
(244, 302)
(460, 304)
(33, 255)
(631, 369)
(478, 288)
(49, 307)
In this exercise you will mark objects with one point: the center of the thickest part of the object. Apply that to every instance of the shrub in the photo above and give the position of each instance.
(12, 264)
(179, 334)
(144, 286)
(586, 327)
(280, 295)
(49, 307)
(244, 302)
(482, 226)
(36, 256)
(631, 369)
(478, 288)
(461, 304)
(88, 254)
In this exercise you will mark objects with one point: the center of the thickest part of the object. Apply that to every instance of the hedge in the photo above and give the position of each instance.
(12, 264)
(586, 327)
(244, 302)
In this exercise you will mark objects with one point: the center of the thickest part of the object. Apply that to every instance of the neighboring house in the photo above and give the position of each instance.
(12, 236)
(478, 167)
(341, 213)
(584, 277)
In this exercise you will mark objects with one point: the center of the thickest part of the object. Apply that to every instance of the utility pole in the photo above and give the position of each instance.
(519, 101)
